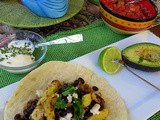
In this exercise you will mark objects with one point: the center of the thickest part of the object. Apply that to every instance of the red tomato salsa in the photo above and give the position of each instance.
(137, 11)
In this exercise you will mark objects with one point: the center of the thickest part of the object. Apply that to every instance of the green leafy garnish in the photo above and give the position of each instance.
(68, 90)
(60, 103)
(77, 109)
(1, 59)
(8, 62)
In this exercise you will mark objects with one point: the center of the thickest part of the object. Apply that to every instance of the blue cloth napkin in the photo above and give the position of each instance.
(47, 8)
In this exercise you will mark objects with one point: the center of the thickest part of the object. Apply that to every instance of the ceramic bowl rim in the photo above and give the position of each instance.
(130, 19)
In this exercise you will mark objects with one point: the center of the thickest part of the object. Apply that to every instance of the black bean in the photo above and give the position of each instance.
(101, 108)
(17, 117)
(65, 85)
(95, 88)
(70, 109)
(56, 118)
(87, 109)
(56, 111)
(81, 80)
(76, 82)
(80, 93)
(34, 102)
(90, 114)
(87, 115)
(26, 112)
(33, 105)
(60, 91)
(26, 118)
(65, 99)
(63, 113)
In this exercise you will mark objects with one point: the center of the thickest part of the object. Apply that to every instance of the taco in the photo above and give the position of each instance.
(64, 91)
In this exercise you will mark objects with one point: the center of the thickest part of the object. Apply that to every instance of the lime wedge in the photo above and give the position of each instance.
(107, 60)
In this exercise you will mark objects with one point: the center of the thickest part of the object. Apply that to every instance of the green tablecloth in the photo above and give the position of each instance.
(95, 36)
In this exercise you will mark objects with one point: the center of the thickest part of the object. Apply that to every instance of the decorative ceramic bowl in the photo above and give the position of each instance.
(123, 22)
(9, 59)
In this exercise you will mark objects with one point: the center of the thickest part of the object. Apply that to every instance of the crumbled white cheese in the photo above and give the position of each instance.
(69, 98)
(95, 109)
(67, 117)
(39, 93)
(75, 95)
(61, 118)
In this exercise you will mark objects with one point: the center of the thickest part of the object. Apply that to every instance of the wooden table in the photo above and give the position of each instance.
(156, 30)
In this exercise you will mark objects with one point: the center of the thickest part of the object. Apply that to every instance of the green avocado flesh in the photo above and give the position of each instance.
(141, 55)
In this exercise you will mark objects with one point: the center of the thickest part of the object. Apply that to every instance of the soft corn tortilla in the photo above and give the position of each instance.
(41, 77)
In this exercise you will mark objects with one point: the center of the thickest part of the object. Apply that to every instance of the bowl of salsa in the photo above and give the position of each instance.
(128, 16)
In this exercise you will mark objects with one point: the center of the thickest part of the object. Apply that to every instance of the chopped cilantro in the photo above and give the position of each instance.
(13, 55)
(60, 103)
(1, 59)
(68, 90)
(9, 62)
(77, 109)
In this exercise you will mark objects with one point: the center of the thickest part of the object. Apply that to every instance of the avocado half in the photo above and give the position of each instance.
(143, 56)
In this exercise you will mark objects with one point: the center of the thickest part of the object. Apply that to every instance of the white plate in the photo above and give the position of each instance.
(142, 100)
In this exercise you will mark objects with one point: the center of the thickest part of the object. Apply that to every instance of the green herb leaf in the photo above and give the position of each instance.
(8, 62)
(68, 90)
(1, 59)
(77, 109)
(60, 104)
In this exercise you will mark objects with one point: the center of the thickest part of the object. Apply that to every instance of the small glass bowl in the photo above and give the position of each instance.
(39, 53)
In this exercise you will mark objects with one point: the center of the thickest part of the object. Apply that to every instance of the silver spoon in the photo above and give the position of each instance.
(69, 39)
(127, 68)
(64, 40)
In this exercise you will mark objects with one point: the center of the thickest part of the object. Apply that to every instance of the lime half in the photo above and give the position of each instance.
(107, 60)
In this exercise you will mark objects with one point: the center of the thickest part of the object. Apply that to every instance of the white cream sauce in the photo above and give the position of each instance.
(17, 61)
(13, 55)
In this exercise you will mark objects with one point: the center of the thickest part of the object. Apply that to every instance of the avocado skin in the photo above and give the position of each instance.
(140, 67)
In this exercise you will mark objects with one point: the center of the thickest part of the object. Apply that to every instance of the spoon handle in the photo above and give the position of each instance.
(128, 69)
(69, 39)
